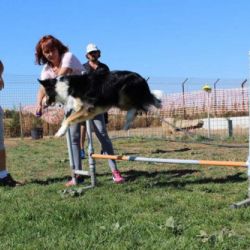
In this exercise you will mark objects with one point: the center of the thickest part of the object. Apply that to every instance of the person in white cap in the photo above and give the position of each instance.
(93, 54)
(93, 64)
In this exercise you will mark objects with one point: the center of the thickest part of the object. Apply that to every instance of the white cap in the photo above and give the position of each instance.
(91, 47)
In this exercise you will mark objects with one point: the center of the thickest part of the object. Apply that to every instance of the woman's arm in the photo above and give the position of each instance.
(40, 100)
(40, 96)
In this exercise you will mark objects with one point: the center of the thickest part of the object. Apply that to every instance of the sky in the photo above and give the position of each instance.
(156, 38)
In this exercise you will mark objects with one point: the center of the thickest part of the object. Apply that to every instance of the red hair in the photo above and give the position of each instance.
(49, 42)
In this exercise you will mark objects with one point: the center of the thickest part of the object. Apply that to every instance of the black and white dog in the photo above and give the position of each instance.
(91, 94)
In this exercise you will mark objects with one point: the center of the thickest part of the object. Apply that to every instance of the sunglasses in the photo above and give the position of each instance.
(93, 52)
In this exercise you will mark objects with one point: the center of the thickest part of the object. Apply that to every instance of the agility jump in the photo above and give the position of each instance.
(92, 166)
(174, 161)
(99, 104)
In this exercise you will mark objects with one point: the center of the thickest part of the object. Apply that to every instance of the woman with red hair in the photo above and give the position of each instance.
(58, 61)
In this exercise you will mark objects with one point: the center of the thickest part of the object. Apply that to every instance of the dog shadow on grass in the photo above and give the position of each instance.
(236, 178)
(132, 175)
(175, 177)
(160, 151)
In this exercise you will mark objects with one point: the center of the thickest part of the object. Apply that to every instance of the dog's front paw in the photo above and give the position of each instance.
(61, 131)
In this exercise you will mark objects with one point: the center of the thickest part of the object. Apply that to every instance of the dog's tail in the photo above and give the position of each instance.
(158, 96)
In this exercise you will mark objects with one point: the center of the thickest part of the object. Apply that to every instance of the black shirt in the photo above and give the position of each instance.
(101, 67)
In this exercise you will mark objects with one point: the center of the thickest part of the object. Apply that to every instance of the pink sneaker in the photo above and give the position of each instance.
(71, 183)
(117, 178)
(75, 181)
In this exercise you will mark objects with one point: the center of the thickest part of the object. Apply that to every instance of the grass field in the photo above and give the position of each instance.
(159, 207)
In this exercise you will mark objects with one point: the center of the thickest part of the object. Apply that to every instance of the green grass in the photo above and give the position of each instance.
(159, 207)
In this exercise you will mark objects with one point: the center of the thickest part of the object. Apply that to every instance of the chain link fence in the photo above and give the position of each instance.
(188, 110)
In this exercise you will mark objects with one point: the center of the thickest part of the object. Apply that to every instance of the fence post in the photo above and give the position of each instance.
(215, 97)
(242, 91)
(230, 127)
(208, 89)
(21, 121)
(183, 97)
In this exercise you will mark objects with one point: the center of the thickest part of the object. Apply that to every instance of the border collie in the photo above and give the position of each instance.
(91, 94)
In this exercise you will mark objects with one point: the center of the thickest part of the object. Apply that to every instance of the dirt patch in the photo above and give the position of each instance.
(11, 142)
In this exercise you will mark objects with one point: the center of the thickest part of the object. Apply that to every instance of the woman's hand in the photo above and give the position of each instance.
(1, 83)
(39, 109)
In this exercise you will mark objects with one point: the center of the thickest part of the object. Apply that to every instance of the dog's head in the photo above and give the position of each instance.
(50, 90)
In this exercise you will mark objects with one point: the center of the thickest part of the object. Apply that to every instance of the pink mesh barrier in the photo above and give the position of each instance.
(219, 102)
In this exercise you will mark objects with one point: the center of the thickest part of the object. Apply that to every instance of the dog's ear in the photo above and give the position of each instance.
(43, 82)
(46, 83)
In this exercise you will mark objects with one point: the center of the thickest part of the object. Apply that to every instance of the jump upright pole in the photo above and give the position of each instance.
(92, 170)
(91, 173)
(246, 202)
(70, 153)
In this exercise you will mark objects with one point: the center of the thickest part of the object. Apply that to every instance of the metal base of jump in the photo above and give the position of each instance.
(244, 203)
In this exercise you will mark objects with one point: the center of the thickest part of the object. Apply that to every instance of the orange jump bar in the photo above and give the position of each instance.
(176, 161)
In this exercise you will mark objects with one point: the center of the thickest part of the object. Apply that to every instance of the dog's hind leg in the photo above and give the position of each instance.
(131, 114)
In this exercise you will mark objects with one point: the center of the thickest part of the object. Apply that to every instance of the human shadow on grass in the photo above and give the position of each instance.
(50, 180)
(132, 175)
(53, 180)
